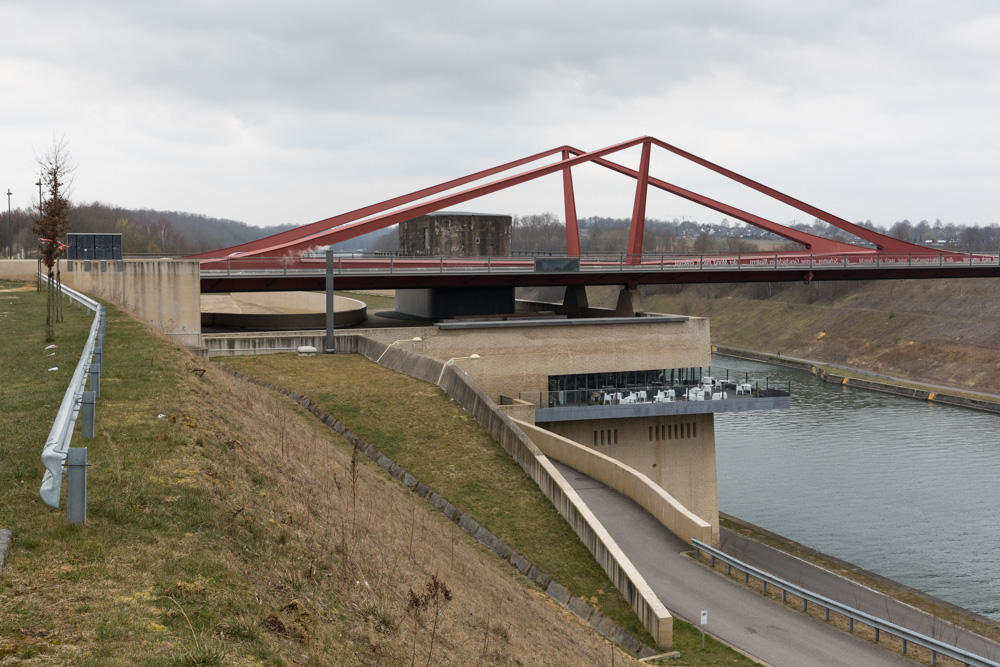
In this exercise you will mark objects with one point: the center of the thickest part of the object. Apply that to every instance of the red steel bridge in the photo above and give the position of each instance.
(290, 260)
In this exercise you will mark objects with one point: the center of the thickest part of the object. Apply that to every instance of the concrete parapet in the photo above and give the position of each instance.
(18, 269)
(629, 482)
(163, 293)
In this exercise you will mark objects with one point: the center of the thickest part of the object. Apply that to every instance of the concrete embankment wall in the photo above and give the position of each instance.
(18, 269)
(629, 482)
(163, 293)
(653, 614)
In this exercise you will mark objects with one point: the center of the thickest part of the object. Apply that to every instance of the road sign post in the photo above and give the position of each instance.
(704, 622)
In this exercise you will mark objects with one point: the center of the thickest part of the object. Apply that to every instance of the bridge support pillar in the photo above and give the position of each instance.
(575, 303)
(629, 303)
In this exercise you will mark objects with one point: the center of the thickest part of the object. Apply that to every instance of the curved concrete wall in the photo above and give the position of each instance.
(653, 614)
(629, 482)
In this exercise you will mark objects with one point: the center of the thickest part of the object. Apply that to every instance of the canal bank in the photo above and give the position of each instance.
(855, 586)
(862, 379)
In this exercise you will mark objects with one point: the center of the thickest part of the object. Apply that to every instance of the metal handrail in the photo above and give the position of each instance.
(56, 447)
(880, 625)
(661, 262)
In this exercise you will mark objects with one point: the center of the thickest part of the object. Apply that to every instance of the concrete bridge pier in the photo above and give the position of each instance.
(629, 302)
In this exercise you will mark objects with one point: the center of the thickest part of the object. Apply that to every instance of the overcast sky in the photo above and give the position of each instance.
(272, 113)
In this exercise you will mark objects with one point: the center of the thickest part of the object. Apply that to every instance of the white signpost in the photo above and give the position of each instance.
(704, 622)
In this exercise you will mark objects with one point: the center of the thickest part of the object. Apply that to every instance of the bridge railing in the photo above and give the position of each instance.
(360, 264)
(879, 625)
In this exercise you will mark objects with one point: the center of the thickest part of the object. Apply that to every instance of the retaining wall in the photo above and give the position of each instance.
(629, 482)
(19, 269)
(163, 293)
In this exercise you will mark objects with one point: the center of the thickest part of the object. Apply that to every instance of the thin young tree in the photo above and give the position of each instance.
(52, 220)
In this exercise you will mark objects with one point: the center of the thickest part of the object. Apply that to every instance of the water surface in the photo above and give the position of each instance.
(904, 488)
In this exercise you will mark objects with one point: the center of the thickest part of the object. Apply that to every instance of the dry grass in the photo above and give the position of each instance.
(421, 428)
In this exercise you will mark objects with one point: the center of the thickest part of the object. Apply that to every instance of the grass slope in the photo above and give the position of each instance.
(233, 531)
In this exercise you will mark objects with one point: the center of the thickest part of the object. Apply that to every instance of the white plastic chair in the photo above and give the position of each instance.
(607, 399)
(642, 396)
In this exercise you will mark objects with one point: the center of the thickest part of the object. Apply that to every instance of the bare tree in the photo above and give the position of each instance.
(52, 221)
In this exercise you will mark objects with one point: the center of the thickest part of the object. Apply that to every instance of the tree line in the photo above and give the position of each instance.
(163, 233)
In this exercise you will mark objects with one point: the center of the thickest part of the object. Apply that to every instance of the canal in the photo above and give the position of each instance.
(905, 488)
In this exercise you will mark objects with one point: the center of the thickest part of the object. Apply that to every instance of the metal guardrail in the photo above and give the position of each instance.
(879, 625)
(57, 454)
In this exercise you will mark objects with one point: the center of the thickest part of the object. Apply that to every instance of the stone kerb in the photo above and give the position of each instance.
(626, 480)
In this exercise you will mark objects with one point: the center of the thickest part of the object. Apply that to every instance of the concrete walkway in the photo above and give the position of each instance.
(760, 627)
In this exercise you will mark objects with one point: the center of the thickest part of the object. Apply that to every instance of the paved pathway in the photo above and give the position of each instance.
(816, 579)
(762, 628)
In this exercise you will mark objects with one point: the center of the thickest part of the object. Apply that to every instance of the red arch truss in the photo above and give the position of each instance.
(371, 218)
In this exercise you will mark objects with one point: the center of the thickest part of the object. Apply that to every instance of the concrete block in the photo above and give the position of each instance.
(630, 643)
(501, 549)
(646, 652)
(580, 608)
(605, 626)
(485, 537)
(6, 538)
(468, 524)
(422, 490)
(558, 592)
(396, 471)
(539, 577)
(520, 562)
(453, 513)
(409, 481)
(596, 618)
(384, 462)
(437, 502)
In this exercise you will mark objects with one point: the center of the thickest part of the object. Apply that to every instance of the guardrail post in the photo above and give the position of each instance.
(76, 488)
(88, 414)
(95, 371)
